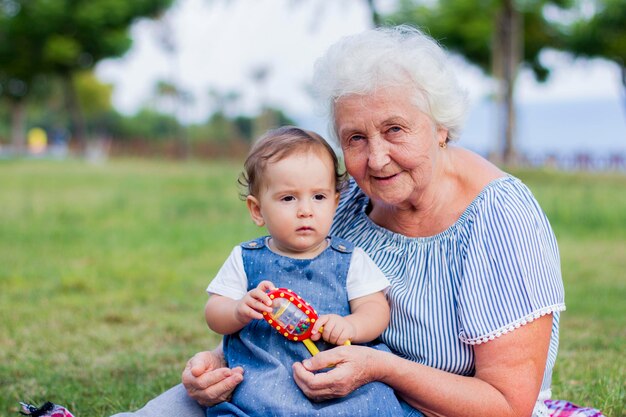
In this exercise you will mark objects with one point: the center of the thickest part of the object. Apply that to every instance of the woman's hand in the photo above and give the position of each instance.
(353, 367)
(208, 381)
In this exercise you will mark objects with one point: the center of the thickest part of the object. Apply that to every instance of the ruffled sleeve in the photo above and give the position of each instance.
(512, 272)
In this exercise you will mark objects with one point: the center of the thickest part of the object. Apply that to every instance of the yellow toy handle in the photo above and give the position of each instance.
(313, 349)
(311, 346)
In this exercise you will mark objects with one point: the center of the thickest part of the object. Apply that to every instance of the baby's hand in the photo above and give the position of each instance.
(254, 303)
(337, 330)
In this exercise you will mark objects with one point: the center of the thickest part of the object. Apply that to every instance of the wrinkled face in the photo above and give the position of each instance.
(297, 202)
(390, 146)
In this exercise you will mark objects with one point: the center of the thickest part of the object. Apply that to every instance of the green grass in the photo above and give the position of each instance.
(103, 270)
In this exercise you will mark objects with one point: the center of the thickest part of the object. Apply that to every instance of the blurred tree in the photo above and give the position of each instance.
(147, 124)
(172, 99)
(498, 36)
(222, 128)
(226, 102)
(45, 106)
(94, 98)
(598, 30)
(61, 37)
(245, 126)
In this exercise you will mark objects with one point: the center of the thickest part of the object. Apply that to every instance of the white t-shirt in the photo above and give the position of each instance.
(364, 277)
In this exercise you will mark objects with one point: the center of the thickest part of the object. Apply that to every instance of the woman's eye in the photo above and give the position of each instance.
(356, 138)
(394, 129)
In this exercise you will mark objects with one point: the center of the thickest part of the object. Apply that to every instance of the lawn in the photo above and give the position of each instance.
(103, 270)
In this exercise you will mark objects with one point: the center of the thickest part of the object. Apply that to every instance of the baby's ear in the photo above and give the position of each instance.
(254, 207)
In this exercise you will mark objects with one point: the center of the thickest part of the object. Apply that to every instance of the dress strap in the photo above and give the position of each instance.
(341, 245)
(257, 243)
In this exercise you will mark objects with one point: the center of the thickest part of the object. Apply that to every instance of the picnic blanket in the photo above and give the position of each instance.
(46, 410)
(561, 408)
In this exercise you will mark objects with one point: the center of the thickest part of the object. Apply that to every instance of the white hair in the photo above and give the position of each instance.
(390, 57)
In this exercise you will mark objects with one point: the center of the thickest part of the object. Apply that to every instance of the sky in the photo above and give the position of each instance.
(218, 44)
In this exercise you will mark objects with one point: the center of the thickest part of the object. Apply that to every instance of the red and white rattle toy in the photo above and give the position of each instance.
(292, 317)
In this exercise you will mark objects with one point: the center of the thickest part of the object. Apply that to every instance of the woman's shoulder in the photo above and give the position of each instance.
(506, 191)
(503, 196)
(506, 215)
(473, 172)
(485, 184)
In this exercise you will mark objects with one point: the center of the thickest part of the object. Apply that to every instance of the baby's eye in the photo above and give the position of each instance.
(288, 198)
(319, 197)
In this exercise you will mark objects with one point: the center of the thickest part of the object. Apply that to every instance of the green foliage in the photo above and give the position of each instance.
(94, 97)
(220, 128)
(46, 105)
(104, 269)
(601, 35)
(224, 129)
(468, 27)
(147, 124)
(245, 125)
(61, 50)
(441, 20)
(60, 37)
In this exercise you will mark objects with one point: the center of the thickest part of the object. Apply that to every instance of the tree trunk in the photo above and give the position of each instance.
(507, 47)
(623, 68)
(374, 13)
(78, 128)
(18, 125)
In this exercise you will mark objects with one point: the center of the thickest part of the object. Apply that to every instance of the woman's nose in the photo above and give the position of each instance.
(378, 154)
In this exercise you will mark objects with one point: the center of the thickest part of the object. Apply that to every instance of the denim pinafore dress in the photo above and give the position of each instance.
(268, 388)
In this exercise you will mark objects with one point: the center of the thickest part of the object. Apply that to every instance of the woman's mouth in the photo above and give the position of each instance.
(383, 177)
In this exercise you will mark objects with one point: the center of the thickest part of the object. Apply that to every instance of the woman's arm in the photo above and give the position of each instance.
(509, 371)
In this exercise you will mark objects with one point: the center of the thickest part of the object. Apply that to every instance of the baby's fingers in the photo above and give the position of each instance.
(265, 286)
(257, 301)
(316, 331)
(260, 293)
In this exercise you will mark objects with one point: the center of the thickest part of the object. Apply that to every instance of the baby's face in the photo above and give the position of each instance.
(297, 202)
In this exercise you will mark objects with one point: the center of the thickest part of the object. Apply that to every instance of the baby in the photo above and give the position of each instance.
(293, 183)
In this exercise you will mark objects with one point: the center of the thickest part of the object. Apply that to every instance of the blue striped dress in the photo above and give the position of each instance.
(494, 270)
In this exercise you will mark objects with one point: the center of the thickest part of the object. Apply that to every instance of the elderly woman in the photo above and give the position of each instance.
(474, 268)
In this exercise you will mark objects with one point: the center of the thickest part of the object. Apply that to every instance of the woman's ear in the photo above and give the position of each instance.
(254, 207)
(442, 134)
